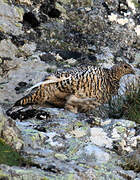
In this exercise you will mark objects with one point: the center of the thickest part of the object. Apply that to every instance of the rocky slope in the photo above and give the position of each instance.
(39, 37)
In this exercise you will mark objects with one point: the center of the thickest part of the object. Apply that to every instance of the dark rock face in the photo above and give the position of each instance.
(48, 8)
(30, 19)
(17, 40)
(54, 13)
(2, 36)
(69, 54)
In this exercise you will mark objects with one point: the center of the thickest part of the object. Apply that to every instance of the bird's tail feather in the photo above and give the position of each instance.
(26, 100)
(31, 98)
(37, 93)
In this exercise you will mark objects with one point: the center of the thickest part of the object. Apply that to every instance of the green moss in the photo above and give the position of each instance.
(9, 156)
(79, 124)
(1, 29)
(50, 70)
(20, 11)
(45, 178)
(5, 1)
(3, 176)
(70, 177)
(136, 4)
(121, 129)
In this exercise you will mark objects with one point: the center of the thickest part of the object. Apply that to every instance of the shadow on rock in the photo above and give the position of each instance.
(24, 113)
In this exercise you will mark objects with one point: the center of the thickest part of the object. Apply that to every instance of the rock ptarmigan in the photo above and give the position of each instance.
(77, 89)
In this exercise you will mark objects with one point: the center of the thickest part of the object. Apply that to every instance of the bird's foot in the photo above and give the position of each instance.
(71, 107)
(76, 104)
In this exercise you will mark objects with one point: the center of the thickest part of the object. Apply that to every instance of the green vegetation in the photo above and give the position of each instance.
(128, 108)
(9, 156)
(131, 107)
(131, 162)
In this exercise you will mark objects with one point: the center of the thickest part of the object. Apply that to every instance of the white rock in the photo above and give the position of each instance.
(131, 24)
(137, 30)
(78, 133)
(131, 4)
(137, 59)
(129, 83)
(132, 132)
(9, 18)
(133, 142)
(7, 49)
(106, 122)
(58, 57)
(112, 17)
(138, 137)
(115, 134)
(96, 153)
(122, 21)
(128, 149)
(71, 61)
(124, 123)
(99, 137)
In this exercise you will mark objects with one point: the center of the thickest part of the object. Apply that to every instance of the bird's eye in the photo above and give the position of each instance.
(125, 66)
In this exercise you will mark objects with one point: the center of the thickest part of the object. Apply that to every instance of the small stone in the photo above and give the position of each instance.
(122, 21)
(115, 134)
(112, 17)
(106, 122)
(92, 48)
(19, 145)
(71, 61)
(122, 143)
(78, 133)
(132, 132)
(137, 30)
(60, 156)
(133, 142)
(58, 57)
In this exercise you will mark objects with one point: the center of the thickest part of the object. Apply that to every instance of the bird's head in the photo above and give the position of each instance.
(122, 69)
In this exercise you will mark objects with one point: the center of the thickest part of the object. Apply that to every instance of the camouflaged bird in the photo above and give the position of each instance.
(77, 89)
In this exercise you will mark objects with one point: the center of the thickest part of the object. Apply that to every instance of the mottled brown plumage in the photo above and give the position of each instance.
(77, 89)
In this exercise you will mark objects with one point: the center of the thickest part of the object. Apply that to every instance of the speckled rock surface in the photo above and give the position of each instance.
(39, 37)
(66, 145)
(9, 132)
